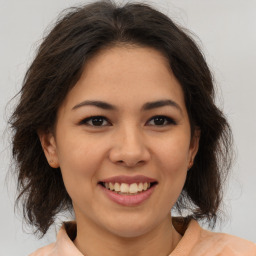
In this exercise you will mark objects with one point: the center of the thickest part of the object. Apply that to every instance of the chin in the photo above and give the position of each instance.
(130, 229)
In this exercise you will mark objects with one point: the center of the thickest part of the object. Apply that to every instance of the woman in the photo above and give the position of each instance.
(117, 122)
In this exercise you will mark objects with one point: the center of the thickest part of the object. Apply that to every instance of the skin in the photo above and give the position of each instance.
(129, 142)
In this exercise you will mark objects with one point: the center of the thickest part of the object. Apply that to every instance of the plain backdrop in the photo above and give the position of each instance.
(226, 32)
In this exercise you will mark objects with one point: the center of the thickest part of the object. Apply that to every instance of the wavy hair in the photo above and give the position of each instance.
(76, 37)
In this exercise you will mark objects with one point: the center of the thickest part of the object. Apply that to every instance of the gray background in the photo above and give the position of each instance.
(227, 32)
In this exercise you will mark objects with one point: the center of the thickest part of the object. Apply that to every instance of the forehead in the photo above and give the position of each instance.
(127, 75)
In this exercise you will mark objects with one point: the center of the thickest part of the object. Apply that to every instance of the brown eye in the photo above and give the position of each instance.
(95, 121)
(161, 121)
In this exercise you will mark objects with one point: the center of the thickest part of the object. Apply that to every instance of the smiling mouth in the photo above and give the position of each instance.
(128, 189)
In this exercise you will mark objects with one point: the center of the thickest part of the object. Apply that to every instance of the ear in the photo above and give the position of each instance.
(48, 143)
(194, 145)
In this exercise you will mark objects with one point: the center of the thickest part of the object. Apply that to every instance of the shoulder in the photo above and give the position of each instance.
(47, 250)
(223, 245)
(197, 241)
(63, 246)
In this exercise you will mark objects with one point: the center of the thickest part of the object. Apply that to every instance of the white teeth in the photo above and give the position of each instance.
(117, 187)
(140, 187)
(126, 188)
(111, 186)
(133, 188)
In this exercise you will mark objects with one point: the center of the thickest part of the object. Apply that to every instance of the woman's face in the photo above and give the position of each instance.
(124, 122)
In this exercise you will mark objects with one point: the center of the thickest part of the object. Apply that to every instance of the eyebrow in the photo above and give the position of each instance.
(146, 106)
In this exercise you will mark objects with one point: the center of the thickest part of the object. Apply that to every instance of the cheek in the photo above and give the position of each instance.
(79, 164)
(78, 153)
(173, 158)
(173, 153)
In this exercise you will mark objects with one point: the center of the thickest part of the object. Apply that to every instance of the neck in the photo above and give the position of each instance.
(160, 241)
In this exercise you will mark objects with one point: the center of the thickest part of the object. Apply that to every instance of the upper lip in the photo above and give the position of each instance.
(129, 179)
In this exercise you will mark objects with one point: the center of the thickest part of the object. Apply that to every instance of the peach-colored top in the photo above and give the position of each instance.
(195, 242)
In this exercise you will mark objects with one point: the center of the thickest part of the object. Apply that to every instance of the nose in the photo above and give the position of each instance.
(129, 148)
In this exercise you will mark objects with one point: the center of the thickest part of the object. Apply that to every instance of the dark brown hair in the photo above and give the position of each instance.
(77, 36)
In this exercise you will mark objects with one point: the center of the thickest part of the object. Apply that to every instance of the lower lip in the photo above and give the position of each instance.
(128, 200)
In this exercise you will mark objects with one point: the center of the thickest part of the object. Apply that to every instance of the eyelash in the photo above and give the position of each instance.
(85, 121)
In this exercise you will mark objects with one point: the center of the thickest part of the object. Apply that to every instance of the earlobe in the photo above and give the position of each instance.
(194, 146)
(48, 144)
